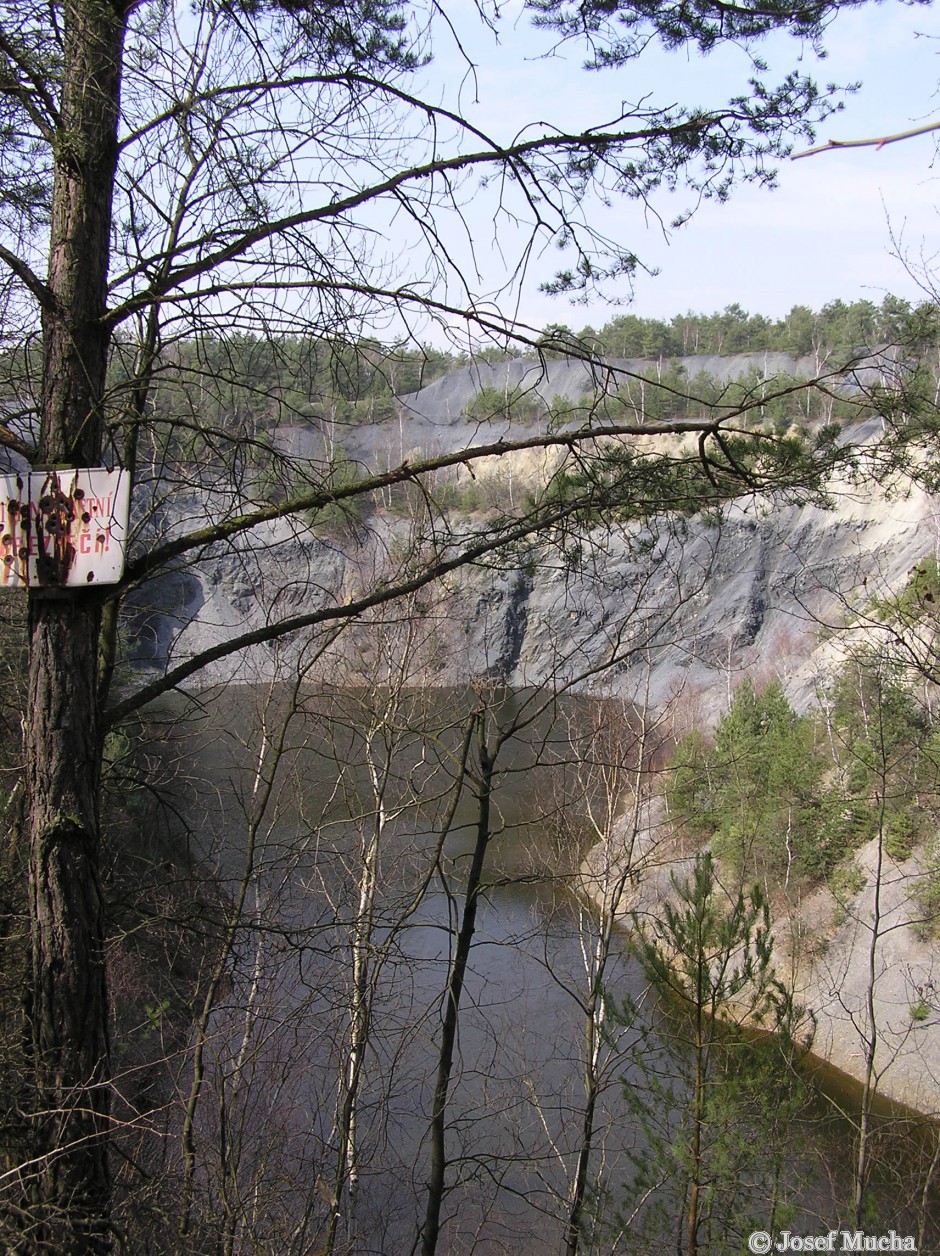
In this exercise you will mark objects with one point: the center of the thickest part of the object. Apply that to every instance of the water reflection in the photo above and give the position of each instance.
(331, 779)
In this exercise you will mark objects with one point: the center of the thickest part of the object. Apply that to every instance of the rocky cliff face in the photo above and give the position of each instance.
(651, 614)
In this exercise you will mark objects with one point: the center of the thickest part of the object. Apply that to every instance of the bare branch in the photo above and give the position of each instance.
(876, 142)
(28, 276)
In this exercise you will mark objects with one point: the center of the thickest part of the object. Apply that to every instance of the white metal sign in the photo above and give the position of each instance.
(63, 528)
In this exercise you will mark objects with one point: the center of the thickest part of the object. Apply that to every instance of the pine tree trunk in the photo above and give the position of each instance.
(63, 752)
(69, 1009)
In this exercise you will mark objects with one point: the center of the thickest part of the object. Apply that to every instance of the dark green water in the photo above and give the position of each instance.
(517, 1098)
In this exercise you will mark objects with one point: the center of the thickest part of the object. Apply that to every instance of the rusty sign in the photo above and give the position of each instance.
(63, 528)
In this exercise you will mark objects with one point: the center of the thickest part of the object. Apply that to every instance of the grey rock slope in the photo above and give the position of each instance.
(673, 610)
(435, 420)
(571, 379)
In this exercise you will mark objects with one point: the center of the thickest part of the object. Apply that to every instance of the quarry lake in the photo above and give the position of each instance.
(338, 829)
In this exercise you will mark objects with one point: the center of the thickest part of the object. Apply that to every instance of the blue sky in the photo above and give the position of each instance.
(825, 232)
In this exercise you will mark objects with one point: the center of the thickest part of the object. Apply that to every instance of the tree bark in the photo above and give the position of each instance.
(438, 1168)
(69, 1008)
(69, 1011)
(76, 336)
